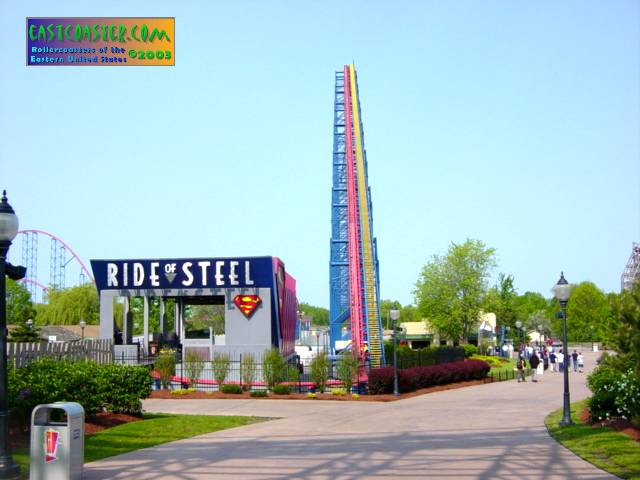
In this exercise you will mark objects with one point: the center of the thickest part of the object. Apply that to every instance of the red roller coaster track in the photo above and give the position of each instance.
(67, 247)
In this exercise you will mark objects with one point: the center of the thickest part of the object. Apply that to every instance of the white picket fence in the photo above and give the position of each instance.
(21, 353)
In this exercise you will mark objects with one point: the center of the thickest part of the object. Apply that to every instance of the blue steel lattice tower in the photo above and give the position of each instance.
(354, 279)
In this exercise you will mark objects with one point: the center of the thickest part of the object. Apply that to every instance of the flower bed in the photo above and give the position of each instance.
(410, 379)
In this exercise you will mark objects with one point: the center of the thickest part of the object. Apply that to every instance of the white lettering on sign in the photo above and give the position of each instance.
(186, 268)
(112, 271)
(233, 276)
(204, 266)
(155, 279)
(155, 274)
(138, 274)
(247, 273)
(219, 276)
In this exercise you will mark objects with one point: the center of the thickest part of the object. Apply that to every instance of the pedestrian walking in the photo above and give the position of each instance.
(574, 359)
(552, 361)
(560, 360)
(534, 361)
(580, 362)
(521, 364)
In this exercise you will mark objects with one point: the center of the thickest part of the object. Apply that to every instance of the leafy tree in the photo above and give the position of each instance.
(248, 369)
(409, 313)
(273, 368)
(320, 371)
(587, 313)
(205, 316)
(68, 305)
(627, 336)
(347, 368)
(501, 300)
(19, 305)
(25, 333)
(451, 289)
(319, 315)
(220, 366)
(528, 304)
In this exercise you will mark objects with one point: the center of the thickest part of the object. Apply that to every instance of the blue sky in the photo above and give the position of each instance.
(516, 123)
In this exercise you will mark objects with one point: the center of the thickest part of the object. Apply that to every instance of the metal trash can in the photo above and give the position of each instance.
(57, 442)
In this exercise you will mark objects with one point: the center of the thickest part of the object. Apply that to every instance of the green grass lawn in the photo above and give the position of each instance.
(602, 446)
(154, 429)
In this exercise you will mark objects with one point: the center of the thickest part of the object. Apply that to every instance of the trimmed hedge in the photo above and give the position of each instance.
(410, 379)
(97, 387)
(231, 388)
(423, 357)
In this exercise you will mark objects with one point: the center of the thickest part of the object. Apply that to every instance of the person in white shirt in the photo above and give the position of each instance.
(560, 360)
(580, 362)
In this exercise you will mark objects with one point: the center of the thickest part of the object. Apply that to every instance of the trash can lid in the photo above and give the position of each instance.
(72, 409)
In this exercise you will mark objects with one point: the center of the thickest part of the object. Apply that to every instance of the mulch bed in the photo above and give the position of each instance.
(166, 394)
(619, 424)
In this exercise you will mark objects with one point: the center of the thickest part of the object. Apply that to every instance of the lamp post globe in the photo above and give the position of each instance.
(395, 315)
(561, 291)
(8, 230)
(82, 324)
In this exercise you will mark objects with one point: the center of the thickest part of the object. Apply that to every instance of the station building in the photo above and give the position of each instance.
(256, 294)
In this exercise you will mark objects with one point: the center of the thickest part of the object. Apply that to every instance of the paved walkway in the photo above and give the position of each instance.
(492, 431)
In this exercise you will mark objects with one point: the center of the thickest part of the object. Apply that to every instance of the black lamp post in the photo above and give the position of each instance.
(562, 291)
(8, 231)
(395, 315)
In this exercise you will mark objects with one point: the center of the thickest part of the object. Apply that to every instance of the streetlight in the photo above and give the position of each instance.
(82, 325)
(519, 327)
(8, 231)
(562, 291)
(540, 331)
(395, 315)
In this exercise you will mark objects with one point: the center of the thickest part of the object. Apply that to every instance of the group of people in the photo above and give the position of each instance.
(554, 361)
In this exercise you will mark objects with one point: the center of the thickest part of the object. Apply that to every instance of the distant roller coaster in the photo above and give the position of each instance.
(631, 273)
(60, 256)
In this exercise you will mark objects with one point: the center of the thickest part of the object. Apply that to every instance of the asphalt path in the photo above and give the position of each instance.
(491, 431)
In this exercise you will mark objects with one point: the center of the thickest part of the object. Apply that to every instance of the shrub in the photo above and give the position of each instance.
(492, 361)
(469, 350)
(247, 371)
(355, 396)
(273, 368)
(220, 366)
(311, 395)
(338, 392)
(347, 368)
(408, 358)
(193, 366)
(320, 371)
(381, 379)
(292, 373)
(165, 365)
(615, 394)
(258, 393)
(281, 389)
(183, 391)
(97, 387)
(231, 388)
